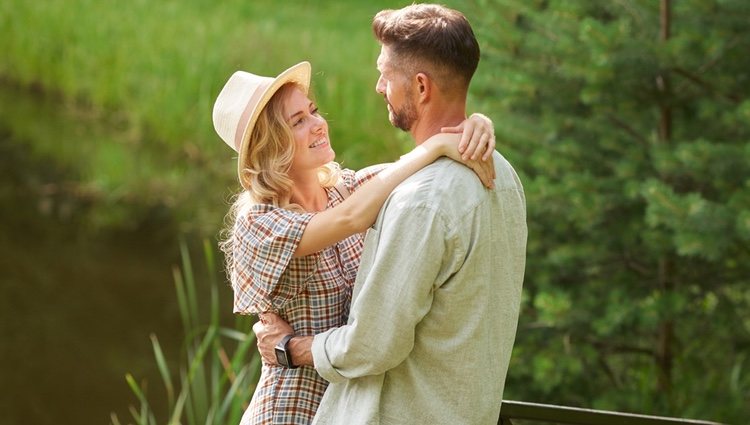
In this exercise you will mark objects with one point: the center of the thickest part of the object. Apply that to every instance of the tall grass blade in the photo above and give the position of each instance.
(182, 301)
(174, 419)
(208, 253)
(166, 376)
(197, 374)
(136, 415)
(187, 268)
(210, 415)
(113, 419)
(255, 365)
(135, 388)
(231, 396)
(234, 334)
(240, 354)
(217, 379)
(190, 407)
(144, 417)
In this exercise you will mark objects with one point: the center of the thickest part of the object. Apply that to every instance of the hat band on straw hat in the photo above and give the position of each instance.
(252, 103)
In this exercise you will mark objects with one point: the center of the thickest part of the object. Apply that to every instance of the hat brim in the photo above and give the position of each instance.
(300, 74)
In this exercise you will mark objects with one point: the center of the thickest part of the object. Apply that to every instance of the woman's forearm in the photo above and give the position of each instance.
(360, 210)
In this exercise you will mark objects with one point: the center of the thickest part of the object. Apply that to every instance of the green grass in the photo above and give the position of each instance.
(162, 63)
(150, 70)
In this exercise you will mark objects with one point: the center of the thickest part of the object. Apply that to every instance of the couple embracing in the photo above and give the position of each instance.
(413, 321)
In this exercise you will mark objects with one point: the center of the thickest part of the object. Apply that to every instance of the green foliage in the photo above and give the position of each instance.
(218, 370)
(633, 148)
(152, 70)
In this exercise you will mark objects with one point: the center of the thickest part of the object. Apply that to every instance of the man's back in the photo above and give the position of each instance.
(435, 306)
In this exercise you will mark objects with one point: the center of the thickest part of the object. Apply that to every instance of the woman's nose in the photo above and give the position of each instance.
(319, 124)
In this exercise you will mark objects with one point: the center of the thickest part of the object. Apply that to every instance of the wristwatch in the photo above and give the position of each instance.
(283, 356)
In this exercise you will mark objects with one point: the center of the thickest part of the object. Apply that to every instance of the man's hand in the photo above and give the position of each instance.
(268, 332)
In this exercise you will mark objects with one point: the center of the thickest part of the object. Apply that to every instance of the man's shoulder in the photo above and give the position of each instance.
(444, 181)
(447, 183)
(443, 171)
(456, 177)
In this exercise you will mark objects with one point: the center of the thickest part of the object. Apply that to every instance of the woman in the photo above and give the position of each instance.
(294, 236)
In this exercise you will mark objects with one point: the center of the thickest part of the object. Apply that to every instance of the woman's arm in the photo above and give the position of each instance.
(359, 210)
(477, 138)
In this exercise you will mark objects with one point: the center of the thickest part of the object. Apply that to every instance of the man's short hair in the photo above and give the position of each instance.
(433, 36)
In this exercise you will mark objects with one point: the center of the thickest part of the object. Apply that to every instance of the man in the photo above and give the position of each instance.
(437, 296)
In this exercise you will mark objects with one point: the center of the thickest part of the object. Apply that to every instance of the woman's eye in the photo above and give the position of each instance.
(297, 122)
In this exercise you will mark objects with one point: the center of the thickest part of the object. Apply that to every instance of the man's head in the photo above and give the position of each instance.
(423, 41)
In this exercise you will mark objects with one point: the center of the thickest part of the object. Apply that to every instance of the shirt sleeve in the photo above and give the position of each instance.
(266, 275)
(355, 179)
(395, 295)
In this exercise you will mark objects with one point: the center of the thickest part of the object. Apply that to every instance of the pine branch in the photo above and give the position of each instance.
(633, 265)
(706, 85)
(719, 55)
(628, 129)
(602, 360)
(619, 348)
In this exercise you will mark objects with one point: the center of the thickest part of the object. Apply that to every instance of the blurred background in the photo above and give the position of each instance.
(628, 122)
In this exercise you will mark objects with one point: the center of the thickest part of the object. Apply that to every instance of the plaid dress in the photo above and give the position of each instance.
(311, 293)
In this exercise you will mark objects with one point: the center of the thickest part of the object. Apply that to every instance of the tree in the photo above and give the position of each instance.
(629, 122)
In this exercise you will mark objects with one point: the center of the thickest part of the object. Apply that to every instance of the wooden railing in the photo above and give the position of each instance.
(550, 414)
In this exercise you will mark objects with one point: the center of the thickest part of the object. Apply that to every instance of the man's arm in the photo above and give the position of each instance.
(301, 350)
(394, 296)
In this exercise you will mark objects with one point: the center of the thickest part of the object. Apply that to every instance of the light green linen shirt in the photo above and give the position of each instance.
(435, 305)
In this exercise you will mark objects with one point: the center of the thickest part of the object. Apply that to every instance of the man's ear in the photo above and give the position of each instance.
(424, 87)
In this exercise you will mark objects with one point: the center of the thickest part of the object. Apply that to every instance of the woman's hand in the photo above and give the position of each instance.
(446, 144)
(477, 137)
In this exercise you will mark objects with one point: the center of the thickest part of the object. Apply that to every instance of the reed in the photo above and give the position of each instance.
(218, 369)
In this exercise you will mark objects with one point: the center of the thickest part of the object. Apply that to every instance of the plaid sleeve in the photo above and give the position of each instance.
(355, 180)
(266, 275)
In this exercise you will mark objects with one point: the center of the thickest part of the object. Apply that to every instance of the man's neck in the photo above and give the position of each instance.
(435, 118)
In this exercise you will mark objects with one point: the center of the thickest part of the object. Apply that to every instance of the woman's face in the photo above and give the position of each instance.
(310, 130)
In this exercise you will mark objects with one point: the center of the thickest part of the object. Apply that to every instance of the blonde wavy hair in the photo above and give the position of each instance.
(264, 176)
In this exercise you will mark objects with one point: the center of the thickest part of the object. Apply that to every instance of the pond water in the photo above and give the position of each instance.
(77, 303)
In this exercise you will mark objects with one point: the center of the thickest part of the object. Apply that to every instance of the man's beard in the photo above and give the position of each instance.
(404, 118)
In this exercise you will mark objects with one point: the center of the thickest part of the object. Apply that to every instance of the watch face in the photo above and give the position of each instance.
(281, 358)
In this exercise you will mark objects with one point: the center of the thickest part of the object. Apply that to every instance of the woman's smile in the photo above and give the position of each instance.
(323, 141)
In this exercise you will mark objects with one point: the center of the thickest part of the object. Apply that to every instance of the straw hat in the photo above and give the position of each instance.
(243, 98)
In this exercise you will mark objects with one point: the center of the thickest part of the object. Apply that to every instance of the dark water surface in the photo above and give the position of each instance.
(77, 302)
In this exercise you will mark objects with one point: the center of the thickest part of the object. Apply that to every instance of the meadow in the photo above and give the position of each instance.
(151, 71)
